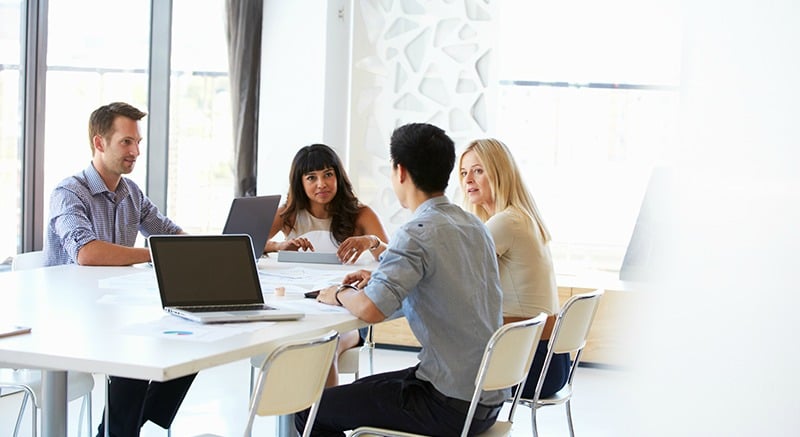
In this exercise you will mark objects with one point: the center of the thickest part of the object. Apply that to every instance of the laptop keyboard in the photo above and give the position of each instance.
(215, 308)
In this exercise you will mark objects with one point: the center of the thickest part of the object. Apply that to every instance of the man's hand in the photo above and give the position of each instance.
(359, 278)
(328, 295)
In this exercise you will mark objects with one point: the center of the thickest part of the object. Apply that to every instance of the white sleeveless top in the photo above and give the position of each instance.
(316, 230)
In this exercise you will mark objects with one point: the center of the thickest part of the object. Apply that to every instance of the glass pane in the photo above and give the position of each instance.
(201, 179)
(588, 103)
(587, 154)
(582, 41)
(11, 29)
(96, 56)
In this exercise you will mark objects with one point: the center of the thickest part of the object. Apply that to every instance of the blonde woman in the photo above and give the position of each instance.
(494, 191)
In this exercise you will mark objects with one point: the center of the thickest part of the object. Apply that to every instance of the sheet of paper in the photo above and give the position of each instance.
(298, 280)
(184, 330)
(310, 306)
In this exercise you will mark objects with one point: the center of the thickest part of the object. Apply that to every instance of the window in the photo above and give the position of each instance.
(10, 126)
(201, 175)
(98, 52)
(587, 102)
(94, 57)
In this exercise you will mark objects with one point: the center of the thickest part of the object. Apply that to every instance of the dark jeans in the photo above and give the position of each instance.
(132, 402)
(395, 400)
(556, 374)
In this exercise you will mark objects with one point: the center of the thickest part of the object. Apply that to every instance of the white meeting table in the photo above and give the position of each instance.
(74, 330)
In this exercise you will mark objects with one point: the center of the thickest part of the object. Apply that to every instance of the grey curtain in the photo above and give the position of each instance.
(244, 62)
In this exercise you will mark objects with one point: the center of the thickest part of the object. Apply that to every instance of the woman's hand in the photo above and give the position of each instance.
(353, 247)
(296, 244)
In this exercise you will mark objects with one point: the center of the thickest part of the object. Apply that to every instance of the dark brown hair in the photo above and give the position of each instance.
(101, 122)
(344, 206)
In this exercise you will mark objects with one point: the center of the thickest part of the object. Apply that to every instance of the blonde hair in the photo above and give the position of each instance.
(508, 188)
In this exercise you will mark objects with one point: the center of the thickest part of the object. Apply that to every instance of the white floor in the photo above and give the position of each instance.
(217, 403)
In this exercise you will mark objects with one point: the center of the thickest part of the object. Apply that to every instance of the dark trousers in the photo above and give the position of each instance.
(395, 400)
(132, 402)
(556, 374)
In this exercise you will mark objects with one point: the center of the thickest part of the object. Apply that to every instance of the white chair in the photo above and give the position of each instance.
(506, 360)
(569, 335)
(292, 378)
(28, 260)
(29, 381)
(348, 362)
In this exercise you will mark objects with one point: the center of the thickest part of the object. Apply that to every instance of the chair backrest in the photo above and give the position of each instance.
(569, 334)
(28, 260)
(574, 322)
(292, 378)
(506, 360)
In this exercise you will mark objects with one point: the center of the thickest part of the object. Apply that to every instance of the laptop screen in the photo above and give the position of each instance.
(205, 270)
(252, 216)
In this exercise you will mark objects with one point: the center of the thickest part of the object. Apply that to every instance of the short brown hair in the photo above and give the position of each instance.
(101, 122)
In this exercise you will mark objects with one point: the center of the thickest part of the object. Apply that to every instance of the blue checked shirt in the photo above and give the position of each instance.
(82, 210)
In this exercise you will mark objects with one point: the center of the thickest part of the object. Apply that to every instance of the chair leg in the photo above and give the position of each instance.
(252, 379)
(22, 413)
(86, 408)
(370, 344)
(105, 410)
(569, 419)
(533, 421)
(89, 414)
(80, 417)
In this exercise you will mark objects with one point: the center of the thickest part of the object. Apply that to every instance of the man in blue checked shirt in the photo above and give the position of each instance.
(95, 217)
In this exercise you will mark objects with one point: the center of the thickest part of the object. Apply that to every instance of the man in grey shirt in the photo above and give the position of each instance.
(440, 272)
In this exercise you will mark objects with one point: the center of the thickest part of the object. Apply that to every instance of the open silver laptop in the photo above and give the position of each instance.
(211, 279)
(252, 216)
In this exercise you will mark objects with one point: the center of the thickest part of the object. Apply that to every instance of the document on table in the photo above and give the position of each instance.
(310, 306)
(299, 279)
(294, 280)
(180, 329)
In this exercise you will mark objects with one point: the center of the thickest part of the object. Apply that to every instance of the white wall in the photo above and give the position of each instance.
(304, 83)
(366, 68)
(719, 350)
(415, 62)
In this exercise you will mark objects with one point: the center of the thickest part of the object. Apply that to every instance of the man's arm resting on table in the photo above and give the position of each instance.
(103, 253)
(360, 305)
(354, 300)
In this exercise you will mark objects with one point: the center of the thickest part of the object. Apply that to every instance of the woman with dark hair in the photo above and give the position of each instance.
(322, 213)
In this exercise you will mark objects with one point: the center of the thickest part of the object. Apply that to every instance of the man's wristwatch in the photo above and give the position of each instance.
(339, 290)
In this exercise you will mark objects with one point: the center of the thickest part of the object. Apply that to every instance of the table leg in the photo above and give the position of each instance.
(54, 403)
(285, 425)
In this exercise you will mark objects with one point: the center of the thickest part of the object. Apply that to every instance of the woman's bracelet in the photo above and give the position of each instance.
(339, 290)
(377, 243)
